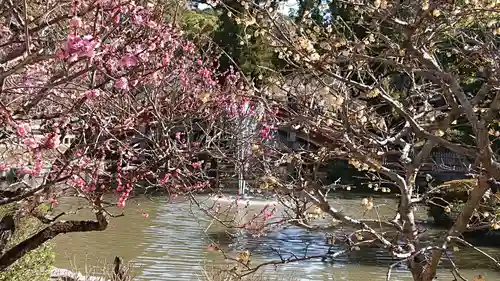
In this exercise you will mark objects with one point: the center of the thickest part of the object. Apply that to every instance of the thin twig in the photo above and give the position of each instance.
(26, 27)
(454, 270)
(475, 248)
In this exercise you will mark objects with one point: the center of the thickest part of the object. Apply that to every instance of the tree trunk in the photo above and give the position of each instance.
(51, 231)
(429, 272)
(7, 228)
(417, 264)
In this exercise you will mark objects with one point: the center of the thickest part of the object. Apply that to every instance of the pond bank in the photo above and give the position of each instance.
(60, 274)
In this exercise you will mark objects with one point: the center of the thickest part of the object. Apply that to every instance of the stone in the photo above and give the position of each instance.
(60, 274)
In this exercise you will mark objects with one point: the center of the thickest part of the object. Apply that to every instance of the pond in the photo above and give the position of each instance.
(171, 243)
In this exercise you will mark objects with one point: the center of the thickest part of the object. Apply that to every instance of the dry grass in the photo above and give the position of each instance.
(208, 273)
(218, 273)
(101, 273)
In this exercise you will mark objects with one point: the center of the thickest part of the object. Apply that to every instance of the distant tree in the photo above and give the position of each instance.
(199, 26)
(244, 46)
(309, 9)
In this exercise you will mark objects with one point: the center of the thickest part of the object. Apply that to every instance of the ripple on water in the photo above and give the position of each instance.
(171, 246)
(174, 250)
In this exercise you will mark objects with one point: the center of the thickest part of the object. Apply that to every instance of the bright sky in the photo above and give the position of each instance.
(288, 5)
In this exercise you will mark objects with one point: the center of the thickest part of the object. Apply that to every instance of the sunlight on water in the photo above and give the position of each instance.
(170, 244)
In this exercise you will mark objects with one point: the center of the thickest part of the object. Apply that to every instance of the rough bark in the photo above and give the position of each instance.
(428, 273)
(485, 160)
(50, 232)
(7, 228)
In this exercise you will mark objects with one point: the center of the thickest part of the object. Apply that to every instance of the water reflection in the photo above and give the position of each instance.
(171, 244)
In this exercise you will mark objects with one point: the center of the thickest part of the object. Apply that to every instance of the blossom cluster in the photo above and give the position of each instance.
(121, 74)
